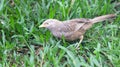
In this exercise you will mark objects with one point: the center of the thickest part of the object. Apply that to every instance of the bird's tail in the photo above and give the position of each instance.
(102, 18)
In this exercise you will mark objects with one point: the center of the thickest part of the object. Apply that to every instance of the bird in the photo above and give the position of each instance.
(72, 29)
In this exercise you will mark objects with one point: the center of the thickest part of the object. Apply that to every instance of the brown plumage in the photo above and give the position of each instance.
(72, 29)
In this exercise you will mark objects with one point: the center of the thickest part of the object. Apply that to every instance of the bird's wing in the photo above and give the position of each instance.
(73, 25)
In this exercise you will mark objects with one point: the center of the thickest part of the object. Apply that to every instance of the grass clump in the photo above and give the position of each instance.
(23, 44)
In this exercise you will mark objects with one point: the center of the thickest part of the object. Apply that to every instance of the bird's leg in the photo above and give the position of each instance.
(81, 38)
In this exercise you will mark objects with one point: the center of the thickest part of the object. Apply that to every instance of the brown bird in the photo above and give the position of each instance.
(72, 29)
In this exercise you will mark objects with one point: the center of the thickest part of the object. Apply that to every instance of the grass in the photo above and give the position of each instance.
(23, 44)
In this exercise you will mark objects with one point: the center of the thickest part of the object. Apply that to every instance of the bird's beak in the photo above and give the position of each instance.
(42, 26)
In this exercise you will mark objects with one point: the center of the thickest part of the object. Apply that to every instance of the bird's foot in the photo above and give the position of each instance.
(77, 46)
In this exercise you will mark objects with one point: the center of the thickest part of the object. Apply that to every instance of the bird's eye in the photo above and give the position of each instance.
(46, 23)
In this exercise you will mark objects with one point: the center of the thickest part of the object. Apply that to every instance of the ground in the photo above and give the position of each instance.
(23, 44)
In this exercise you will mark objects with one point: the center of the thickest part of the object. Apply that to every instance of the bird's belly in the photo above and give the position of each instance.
(70, 36)
(61, 34)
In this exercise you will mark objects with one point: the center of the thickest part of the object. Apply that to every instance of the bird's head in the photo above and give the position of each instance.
(50, 23)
